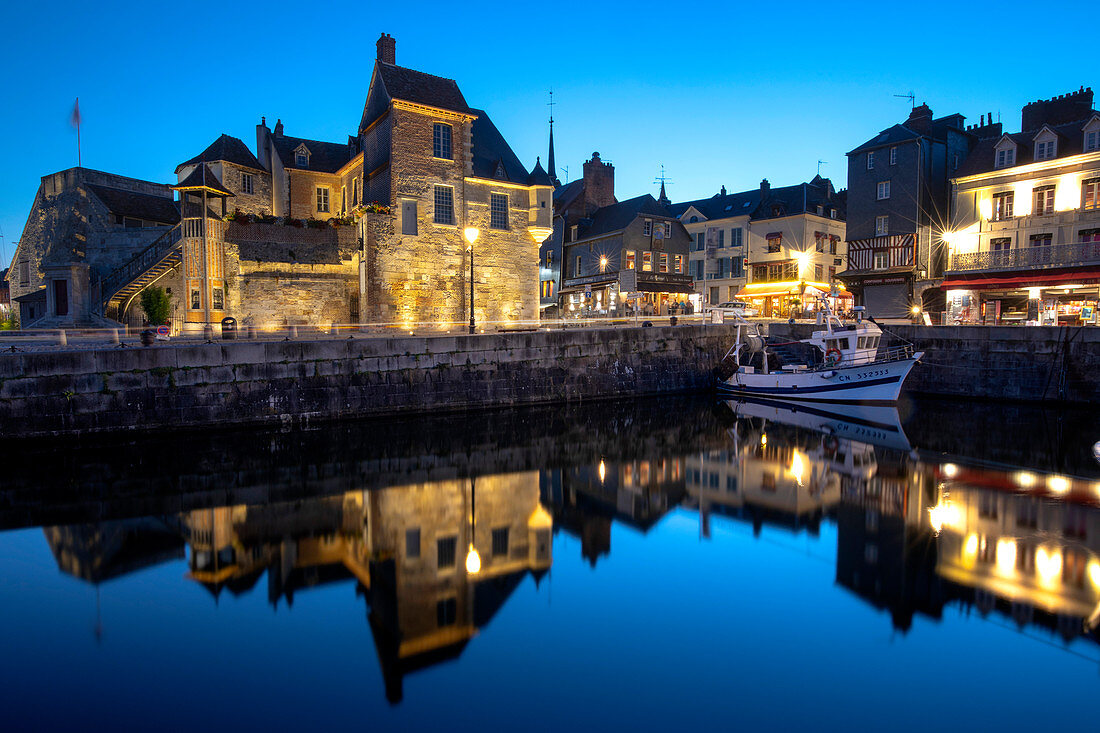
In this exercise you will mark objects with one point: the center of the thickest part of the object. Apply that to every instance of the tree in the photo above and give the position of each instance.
(156, 304)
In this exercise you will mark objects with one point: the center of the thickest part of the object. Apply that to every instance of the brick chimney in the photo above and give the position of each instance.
(599, 184)
(387, 49)
(1069, 107)
(765, 190)
(920, 119)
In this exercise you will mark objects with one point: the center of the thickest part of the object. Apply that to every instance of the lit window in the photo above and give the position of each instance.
(1090, 198)
(1002, 206)
(577, 267)
(871, 160)
(322, 200)
(630, 259)
(664, 262)
(679, 261)
(647, 262)
(893, 155)
(883, 190)
(549, 257)
(1045, 150)
(441, 141)
(498, 211)
(1044, 201)
(444, 205)
(246, 183)
(882, 226)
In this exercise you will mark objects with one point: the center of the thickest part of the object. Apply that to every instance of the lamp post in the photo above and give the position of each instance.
(471, 237)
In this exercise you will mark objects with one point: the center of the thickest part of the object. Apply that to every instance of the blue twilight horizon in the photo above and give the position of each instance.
(720, 95)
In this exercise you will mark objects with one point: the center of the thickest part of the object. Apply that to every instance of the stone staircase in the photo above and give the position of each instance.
(119, 287)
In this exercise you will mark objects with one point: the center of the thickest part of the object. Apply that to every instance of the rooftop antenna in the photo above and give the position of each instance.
(911, 97)
(663, 179)
(566, 169)
(819, 164)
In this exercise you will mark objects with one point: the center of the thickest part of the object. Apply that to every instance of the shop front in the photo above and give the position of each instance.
(655, 294)
(797, 299)
(1037, 299)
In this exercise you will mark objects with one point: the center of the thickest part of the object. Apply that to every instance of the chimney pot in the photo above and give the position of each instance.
(387, 49)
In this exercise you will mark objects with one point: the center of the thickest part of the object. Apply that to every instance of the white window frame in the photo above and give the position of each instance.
(246, 183)
(1046, 149)
(870, 160)
(884, 262)
(324, 202)
(1006, 158)
(883, 191)
(1047, 208)
(1093, 185)
(436, 208)
(882, 225)
(647, 228)
(894, 155)
(1092, 140)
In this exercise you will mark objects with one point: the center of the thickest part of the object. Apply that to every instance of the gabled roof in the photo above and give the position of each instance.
(197, 180)
(565, 195)
(420, 88)
(323, 157)
(226, 148)
(721, 207)
(616, 217)
(981, 159)
(491, 153)
(889, 136)
(137, 205)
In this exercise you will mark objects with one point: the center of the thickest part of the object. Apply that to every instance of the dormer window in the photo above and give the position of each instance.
(1092, 135)
(1005, 157)
(301, 157)
(500, 170)
(1045, 150)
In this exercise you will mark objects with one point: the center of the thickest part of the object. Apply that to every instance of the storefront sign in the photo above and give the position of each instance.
(884, 280)
(628, 281)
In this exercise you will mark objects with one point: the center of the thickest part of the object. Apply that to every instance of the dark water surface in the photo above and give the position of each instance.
(649, 565)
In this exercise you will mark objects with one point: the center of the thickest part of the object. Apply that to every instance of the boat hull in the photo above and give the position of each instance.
(874, 383)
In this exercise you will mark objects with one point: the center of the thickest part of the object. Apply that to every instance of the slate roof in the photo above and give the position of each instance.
(137, 205)
(564, 195)
(889, 136)
(196, 179)
(491, 152)
(323, 157)
(229, 149)
(420, 88)
(539, 177)
(616, 217)
(1071, 141)
(792, 200)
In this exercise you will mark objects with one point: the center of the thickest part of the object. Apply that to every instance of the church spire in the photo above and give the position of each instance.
(663, 199)
(550, 159)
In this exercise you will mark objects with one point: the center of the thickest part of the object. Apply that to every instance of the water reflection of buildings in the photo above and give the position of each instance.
(409, 549)
(914, 537)
(586, 499)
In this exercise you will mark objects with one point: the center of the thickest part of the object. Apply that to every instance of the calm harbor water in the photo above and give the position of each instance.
(646, 565)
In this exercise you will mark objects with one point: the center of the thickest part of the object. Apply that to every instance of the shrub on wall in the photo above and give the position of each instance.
(156, 304)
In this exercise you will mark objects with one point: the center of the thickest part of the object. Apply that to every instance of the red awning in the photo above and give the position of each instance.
(1029, 280)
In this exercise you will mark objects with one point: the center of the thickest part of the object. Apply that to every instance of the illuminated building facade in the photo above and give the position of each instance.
(376, 228)
(1024, 238)
(898, 195)
(768, 246)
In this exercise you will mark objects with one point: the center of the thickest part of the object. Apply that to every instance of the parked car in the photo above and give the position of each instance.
(735, 308)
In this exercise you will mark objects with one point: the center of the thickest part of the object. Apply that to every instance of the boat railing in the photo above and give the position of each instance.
(884, 353)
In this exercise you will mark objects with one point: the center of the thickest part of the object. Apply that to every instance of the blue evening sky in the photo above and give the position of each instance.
(719, 93)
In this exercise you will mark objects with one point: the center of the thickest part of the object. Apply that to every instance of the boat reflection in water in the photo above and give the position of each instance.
(914, 532)
(407, 549)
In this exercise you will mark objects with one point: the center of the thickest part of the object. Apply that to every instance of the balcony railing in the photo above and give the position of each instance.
(1028, 258)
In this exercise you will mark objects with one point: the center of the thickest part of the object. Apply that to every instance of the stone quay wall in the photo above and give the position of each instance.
(294, 382)
(1033, 363)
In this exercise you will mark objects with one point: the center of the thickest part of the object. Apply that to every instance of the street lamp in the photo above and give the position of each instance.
(471, 237)
(473, 560)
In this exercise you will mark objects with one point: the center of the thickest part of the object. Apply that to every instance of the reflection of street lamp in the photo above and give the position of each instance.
(471, 237)
(473, 560)
(803, 259)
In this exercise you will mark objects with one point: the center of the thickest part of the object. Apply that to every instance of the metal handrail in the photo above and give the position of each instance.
(1037, 256)
(110, 284)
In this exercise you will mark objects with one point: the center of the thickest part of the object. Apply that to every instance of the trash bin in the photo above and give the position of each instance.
(229, 328)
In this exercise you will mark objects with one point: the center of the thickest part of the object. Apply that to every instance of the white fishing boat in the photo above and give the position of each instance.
(842, 362)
